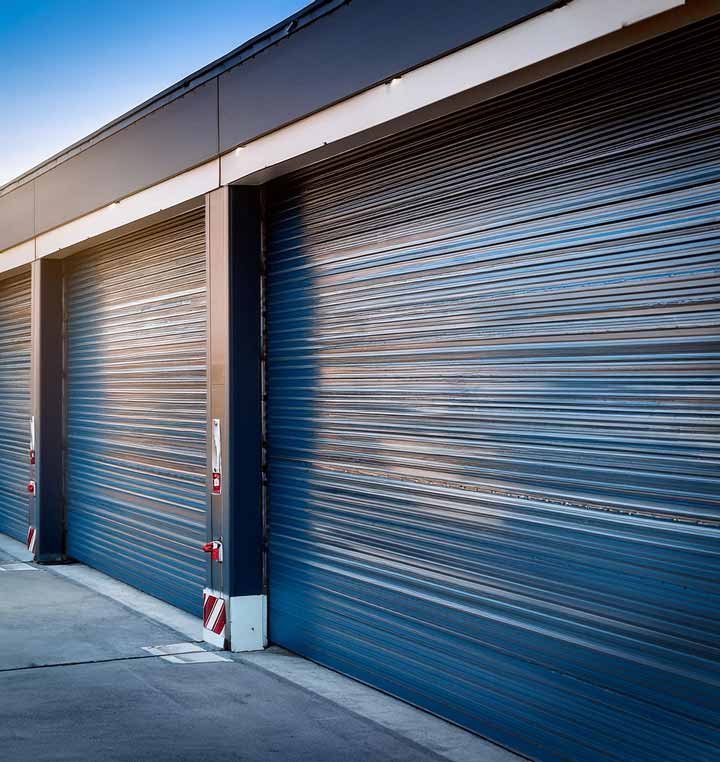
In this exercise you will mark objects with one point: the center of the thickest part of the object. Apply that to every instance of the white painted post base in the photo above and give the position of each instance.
(248, 618)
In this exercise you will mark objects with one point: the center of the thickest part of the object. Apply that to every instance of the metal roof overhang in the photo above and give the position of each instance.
(328, 51)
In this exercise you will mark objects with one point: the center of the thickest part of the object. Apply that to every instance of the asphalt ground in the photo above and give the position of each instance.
(78, 683)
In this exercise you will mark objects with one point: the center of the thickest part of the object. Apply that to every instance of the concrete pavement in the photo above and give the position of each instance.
(77, 683)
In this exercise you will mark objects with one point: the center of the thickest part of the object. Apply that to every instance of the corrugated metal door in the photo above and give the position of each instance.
(14, 404)
(493, 411)
(137, 409)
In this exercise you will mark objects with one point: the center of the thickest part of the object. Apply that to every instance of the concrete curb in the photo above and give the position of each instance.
(14, 549)
(432, 733)
(163, 613)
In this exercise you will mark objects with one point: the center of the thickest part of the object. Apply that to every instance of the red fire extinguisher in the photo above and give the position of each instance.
(215, 549)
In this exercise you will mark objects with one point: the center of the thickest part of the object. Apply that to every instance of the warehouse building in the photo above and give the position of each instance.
(392, 338)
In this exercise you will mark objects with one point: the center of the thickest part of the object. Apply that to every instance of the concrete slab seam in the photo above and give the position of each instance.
(18, 567)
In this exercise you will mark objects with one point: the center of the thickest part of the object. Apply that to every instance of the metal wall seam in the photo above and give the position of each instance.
(137, 409)
(493, 356)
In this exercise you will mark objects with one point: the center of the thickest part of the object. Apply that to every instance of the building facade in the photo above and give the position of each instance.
(392, 338)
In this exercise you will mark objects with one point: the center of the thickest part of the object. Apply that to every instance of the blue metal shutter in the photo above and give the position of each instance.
(493, 411)
(15, 409)
(137, 409)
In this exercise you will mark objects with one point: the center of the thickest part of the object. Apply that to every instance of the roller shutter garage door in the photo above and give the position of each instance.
(137, 409)
(493, 407)
(15, 409)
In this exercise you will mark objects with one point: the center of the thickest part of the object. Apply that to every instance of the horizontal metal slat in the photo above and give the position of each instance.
(493, 355)
(15, 410)
(137, 409)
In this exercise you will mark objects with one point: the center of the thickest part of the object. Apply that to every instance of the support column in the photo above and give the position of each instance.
(235, 402)
(48, 510)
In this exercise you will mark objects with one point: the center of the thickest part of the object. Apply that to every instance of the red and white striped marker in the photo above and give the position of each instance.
(31, 539)
(214, 618)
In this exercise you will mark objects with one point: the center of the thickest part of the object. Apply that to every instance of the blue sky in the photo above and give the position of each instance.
(70, 66)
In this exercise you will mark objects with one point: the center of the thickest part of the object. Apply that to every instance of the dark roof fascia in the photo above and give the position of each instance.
(252, 47)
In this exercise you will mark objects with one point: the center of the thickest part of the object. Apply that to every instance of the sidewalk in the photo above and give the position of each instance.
(85, 674)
